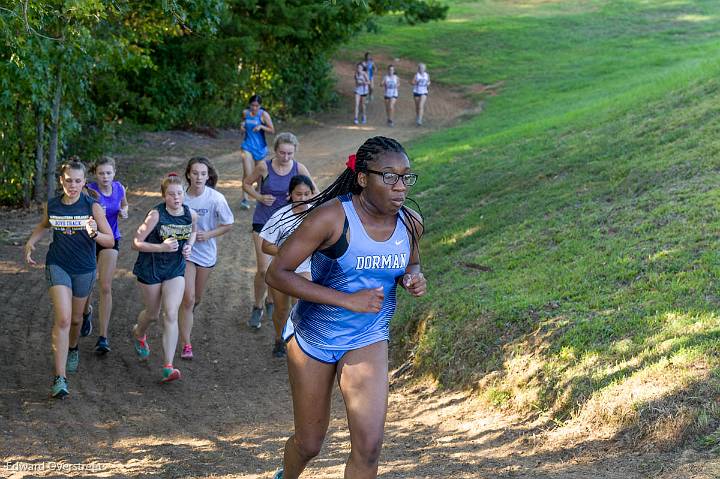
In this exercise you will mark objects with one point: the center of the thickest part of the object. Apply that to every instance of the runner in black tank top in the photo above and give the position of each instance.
(164, 242)
(78, 224)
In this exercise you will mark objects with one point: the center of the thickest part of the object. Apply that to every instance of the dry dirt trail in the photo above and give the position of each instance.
(231, 413)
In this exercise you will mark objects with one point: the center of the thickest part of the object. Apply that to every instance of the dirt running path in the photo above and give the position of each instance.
(231, 413)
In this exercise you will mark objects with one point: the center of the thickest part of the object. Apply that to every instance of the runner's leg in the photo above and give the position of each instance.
(107, 262)
(363, 378)
(311, 384)
(262, 261)
(61, 297)
(172, 294)
(151, 298)
(187, 316)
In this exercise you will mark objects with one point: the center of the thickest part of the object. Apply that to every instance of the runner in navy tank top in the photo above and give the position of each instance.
(274, 177)
(78, 223)
(256, 122)
(363, 242)
(164, 242)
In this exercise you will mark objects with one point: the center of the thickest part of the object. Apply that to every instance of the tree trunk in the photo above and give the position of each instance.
(25, 164)
(54, 134)
(39, 154)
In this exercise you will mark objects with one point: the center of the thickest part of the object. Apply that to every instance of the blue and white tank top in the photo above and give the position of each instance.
(391, 86)
(72, 248)
(254, 141)
(366, 264)
(421, 83)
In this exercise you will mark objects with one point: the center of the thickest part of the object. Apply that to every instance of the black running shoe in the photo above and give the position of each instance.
(86, 329)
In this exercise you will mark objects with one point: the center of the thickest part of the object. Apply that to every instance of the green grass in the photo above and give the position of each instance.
(572, 226)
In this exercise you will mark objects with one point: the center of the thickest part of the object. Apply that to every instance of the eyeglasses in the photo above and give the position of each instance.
(389, 178)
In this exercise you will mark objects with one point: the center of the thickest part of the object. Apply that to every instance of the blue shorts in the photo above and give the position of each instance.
(81, 284)
(328, 356)
(257, 154)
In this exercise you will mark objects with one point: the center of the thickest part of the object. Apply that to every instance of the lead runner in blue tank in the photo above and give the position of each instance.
(364, 242)
(256, 122)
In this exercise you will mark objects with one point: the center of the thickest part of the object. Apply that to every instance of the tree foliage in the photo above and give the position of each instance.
(70, 70)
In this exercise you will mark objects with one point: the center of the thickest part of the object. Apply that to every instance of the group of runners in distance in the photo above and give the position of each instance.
(328, 264)
(364, 78)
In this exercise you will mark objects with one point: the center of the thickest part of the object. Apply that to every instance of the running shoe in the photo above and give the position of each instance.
(279, 474)
(391, 123)
(59, 388)
(244, 204)
(364, 120)
(256, 318)
(279, 350)
(355, 121)
(142, 348)
(102, 346)
(186, 352)
(86, 329)
(73, 360)
(169, 374)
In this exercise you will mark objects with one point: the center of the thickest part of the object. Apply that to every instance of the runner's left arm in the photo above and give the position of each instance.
(414, 280)
(99, 227)
(267, 123)
(302, 169)
(187, 248)
(123, 203)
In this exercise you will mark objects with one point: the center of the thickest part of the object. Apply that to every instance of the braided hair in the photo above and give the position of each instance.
(347, 182)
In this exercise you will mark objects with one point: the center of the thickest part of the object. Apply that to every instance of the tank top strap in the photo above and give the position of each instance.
(351, 215)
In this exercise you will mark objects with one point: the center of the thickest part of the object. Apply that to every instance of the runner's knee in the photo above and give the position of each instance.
(106, 287)
(308, 445)
(189, 299)
(367, 450)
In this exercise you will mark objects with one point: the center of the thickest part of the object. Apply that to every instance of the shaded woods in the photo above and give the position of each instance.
(71, 71)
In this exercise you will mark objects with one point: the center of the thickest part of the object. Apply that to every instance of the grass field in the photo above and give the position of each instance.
(573, 224)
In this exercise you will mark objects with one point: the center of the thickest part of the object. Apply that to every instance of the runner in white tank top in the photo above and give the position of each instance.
(390, 82)
(421, 82)
(362, 85)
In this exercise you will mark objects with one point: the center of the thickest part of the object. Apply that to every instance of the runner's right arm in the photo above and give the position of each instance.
(319, 230)
(35, 236)
(139, 244)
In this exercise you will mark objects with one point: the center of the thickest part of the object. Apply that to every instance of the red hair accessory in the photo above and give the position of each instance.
(351, 163)
(172, 174)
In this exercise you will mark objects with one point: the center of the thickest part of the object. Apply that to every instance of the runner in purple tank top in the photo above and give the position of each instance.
(111, 196)
(274, 178)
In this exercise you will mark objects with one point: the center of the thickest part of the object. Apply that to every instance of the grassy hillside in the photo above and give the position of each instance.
(572, 244)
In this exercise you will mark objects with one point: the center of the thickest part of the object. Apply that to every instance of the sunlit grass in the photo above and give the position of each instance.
(572, 225)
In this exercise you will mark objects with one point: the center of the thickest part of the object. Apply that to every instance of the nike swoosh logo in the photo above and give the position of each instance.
(399, 242)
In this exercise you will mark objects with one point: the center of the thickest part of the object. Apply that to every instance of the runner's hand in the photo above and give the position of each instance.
(415, 284)
(187, 249)
(267, 200)
(366, 300)
(28, 252)
(91, 226)
(124, 212)
(202, 236)
(170, 245)
(257, 128)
